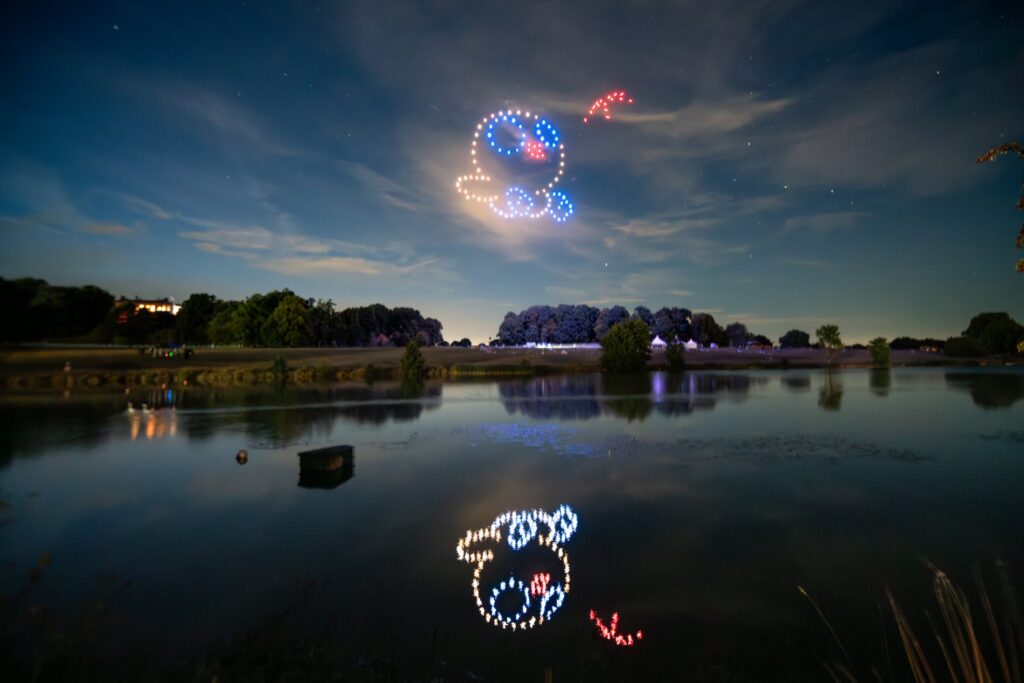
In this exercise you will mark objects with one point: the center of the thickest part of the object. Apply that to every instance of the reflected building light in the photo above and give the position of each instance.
(519, 529)
(611, 632)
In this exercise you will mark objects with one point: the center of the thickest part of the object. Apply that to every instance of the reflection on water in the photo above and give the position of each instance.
(989, 389)
(881, 381)
(630, 397)
(704, 499)
(830, 395)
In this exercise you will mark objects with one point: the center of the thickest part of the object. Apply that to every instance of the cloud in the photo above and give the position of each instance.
(825, 222)
(106, 229)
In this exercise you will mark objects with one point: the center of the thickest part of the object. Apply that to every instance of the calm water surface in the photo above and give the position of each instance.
(703, 501)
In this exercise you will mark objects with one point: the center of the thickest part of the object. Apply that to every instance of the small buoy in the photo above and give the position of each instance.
(242, 457)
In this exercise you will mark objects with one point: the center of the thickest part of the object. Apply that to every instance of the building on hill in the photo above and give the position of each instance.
(165, 305)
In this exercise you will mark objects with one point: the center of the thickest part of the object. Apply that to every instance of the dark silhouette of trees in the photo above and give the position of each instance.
(996, 333)
(35, 310)
(705, 331)
(795, 339)
(192, 324)
(737, 334)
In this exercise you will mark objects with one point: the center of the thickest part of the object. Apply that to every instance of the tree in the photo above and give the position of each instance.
(997, 333)
(964, 347)
(626, 347)
(878, 348)
(992, 155)
(737, 334)
(644, 314)
(705, 331)
(675, 354)
(289, 325)
(464, 342)
(193, 320)
(795, 339)
(828, 338)
(608, 318)
(672, 323)
(226, 326)
(413, 366)
(511, 331)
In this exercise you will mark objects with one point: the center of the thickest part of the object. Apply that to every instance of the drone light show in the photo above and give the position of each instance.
(611, 631)
(603, 104)
(537, 599)
(518, 157)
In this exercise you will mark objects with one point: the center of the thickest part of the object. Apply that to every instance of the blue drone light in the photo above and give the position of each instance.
(561, 206)
(546, 133)
(491, 130)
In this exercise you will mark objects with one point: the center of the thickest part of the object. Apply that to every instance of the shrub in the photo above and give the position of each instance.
(626, 347)
(964, 347)
(414, 366)
(879, 350)
(675, 354)
(279, 366)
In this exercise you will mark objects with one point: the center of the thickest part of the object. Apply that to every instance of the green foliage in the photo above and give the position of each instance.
(35, 310)
(289, 325)
(997, 333)
(193, 320)
(964, 347)
(626, 347)
(279, 367)
(414, 365)
(879, 350)
(226, 326)
(675, 354)
(795, 339)
(828, 338)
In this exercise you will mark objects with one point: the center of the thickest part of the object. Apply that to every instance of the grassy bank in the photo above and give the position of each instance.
(23, 368)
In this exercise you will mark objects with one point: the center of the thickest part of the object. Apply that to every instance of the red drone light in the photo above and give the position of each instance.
(611, 632)
(539, 584)
(602, 104)
(535, 151)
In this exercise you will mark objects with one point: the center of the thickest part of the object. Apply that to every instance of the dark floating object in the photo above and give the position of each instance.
(326, 468)
(242, 457)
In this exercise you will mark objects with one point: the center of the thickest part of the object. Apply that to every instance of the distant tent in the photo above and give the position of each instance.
(690, 345)
(658, 343)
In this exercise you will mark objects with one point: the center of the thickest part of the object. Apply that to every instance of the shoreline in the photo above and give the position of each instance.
(29, 368)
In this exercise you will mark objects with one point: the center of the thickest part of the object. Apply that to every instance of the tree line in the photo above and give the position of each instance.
(38, 311)
(583, 324)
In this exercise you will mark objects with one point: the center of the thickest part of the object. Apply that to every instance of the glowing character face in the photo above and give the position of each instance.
(537, 599)
(511, 142)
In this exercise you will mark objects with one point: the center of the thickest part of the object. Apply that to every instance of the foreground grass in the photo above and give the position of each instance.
(24, 368)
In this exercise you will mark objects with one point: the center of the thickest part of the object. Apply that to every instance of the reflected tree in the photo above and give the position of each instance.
(880, 381)
(830, 396)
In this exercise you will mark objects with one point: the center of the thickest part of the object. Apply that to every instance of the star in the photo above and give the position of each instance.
(116, 27)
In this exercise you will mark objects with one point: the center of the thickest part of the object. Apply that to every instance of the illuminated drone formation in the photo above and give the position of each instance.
(603, 104)
(529, 141)
(520, 528)
(611, 632)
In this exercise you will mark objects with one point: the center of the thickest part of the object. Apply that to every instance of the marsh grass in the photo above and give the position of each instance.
(969, 646)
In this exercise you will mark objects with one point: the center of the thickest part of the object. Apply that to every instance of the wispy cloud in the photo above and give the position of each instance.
(825, 222)
(106, 229)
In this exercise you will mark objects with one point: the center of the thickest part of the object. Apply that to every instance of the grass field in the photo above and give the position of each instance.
(22, 360)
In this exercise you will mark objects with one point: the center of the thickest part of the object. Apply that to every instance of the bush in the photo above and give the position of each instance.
(964, 347)
(414, 366)
(626, 347)
(675, 354)
(880, 353)
(279, 367)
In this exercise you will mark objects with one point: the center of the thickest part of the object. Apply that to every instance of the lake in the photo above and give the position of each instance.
(696, 506)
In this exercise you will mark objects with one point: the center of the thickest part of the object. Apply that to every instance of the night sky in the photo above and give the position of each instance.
(785, 163)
